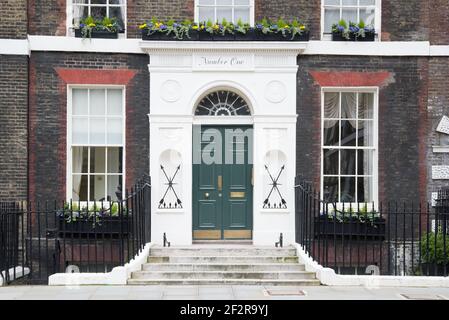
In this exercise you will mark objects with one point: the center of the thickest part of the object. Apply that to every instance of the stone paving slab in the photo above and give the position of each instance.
(213, 293)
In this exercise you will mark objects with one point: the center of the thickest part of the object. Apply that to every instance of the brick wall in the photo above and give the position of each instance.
(13, 19)
(47, 17)
(402, 121)
(439, 23)
(13, 127)
(438, 106)
(406, 20)
(48, 104)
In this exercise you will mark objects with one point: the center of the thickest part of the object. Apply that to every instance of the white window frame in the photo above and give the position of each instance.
(251, 10)
(375, 148)
(69, 15)
(377, 18)
(69, 174)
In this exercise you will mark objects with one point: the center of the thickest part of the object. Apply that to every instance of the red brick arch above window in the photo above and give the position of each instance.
(88, 76)
(351, 79)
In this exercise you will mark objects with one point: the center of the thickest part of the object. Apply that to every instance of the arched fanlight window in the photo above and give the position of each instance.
(222, 103)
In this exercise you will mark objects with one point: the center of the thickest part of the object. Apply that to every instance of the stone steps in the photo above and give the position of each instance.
(223, 267)
(223, 264)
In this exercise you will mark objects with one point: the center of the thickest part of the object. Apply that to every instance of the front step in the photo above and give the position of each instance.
(245, 282)
(222, 259)
(223, 267)
(223, 264)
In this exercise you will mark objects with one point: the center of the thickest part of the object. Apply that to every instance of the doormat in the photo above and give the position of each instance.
(284, 292)
(422, 296)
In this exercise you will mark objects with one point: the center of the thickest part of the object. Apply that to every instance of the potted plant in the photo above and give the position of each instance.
(340, 32)
(243, 31)
(351, 223)
(365, 33)
(298, 31)
(435, 253)
(153, 30)
(207, 30)
(90, 28)
(263, 30)
(188, 31)
(225, 31)
(97, 219)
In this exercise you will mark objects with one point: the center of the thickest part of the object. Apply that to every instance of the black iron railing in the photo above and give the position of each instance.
(388, 238)
(40, 239)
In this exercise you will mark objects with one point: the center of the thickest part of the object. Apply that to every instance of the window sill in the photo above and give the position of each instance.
(275, 211)
(165, 211)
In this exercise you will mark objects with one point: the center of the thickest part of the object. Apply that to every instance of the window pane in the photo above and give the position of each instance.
(330, 189)
(79, 131)
(348, 133)
(347, 189)
(224, 13)
(80, 159)
(365, 162)
(366, 134)
(115, 102)
(367, 2)
(347, 162)
(98, 12)
(332, 105)
(332, 2)
(114, 187)
(206, 14)
(365, 189)
(116, 12)
(115, 131)
(330, 157)
(98, 1)
(331, 16)
(97, 103)
(98, 160)
(241, 2)
(79, 102)
(206, 2)
(366, 105)
(79, 188)
(115, 160)
(331, 133)
(368, 15)
(224, 2)
(97, 131)
(349, 2)
(350, 15)
(97, 188)
(348, 105)
(241, 13)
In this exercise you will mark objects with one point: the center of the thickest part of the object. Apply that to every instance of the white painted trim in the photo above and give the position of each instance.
(440, 149)
(251, 12)
(19, 273)
(328, 276)
(118, 275)
(70, 44)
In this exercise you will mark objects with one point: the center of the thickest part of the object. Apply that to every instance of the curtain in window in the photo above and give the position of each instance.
(78, 11)
(331, 108)
(365, 111)
(77, 158)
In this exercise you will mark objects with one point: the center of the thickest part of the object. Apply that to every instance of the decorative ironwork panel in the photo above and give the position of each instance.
(170, 189)
(270, 202)
(222, 103)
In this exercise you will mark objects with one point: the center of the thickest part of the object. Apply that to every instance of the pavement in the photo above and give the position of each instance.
(219, 293)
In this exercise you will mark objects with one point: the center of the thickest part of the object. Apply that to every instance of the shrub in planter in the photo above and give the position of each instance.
(435, 253)
(91, 28)
(340, 32)
(364, 32)
(355, 32)
(243, 31)
(297, 32)
(263, 31)
(225, 31)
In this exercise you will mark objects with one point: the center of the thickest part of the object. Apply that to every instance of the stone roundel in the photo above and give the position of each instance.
(275, 91)
(171, 91)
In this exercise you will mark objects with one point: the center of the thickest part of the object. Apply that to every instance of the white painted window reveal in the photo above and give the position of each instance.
(96, 144)
(231, 10)
(349, 146)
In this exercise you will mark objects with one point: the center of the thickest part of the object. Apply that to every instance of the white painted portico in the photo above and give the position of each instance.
(264, 73)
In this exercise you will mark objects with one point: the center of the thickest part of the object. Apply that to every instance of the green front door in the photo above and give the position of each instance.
(222, 182)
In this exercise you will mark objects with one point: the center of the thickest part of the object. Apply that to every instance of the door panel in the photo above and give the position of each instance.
(222, 192)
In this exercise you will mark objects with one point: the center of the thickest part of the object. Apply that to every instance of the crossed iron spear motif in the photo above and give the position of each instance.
(274, 186)
(170, 184)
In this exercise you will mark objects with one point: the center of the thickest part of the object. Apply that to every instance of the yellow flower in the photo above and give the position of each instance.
(91, 24)
(202, 27)
(109, 25)
(286, 26)
(143, 26)
(195, 27)
(216, 26)
(302, 27)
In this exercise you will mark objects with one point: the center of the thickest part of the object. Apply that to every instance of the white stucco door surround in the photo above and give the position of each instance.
(181, 73)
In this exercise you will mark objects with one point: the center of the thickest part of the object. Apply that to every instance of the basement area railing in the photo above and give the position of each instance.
(40, 239)
(390, 238)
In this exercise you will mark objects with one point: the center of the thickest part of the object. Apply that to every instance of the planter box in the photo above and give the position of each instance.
(249, 36)
(298, 37)
(226, 37)
(351, 229)
(102, 34)
(205, 36)
(194, 36)
(368, 37)
(336, 36)
(108, 226)
(435, 270)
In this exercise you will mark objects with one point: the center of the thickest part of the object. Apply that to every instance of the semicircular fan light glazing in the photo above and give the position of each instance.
(222, 103)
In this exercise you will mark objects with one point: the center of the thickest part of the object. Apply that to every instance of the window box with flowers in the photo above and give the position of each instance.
(224, 31)
(341, 31)
(89, 27)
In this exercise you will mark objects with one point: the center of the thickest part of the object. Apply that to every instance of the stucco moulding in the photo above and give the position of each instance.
(443, 126)
(171, 91)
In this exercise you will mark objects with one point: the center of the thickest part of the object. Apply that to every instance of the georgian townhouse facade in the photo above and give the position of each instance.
(83, 119)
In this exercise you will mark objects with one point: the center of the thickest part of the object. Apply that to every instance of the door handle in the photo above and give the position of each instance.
(206, 195)
(220, 183)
